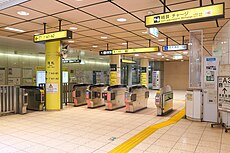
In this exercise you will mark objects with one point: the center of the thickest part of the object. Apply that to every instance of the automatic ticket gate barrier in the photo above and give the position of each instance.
(79, 94)
(137, 98)
(36, 97)
(13, 99)
(115, 97)
(164, 100)
(94, 95)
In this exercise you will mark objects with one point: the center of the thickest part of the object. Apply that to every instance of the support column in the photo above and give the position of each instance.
(115, 69)
(130, 77)
(144, 79)
(53, 75)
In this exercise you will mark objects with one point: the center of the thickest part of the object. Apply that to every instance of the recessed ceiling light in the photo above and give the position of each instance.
(94, 46)
(159, 54)
(121, 19)
(161, 40)
(71, 41)
(23, 13)
(167, 59)
(162, 56)
(182, 60)
(79, 0)
(185, 52)
(104, 37)
(73, 28)
(136, 55)
(124, 43)
(144, 32)
(14, 29)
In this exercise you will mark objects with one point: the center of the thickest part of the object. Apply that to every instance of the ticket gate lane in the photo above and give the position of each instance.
(79, 94)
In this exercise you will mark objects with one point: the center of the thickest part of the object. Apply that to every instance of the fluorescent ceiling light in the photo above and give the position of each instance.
(161, 40)
(167, 59)
(23, 13)
(9, 3)
(124, 43)
(185, 52)
(162, 56)
(144, 32)
(159, 54)
(182, 60)
(37, 34)
(94, 46)
(73, 28)
(14, 29)
(104, 37)
(177, 57)
(79, 0)
(136, 55)
(71, 41)
(121, 19)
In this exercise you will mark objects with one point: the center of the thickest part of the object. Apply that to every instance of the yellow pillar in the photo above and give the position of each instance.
(115, 69)
(53, 75)
(144, 79)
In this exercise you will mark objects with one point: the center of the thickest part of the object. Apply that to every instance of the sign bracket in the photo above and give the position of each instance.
(44, 24)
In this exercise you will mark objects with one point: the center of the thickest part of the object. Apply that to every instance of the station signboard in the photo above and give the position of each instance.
(60, 35)
(175, 48)
(198, 14)
(130, 51)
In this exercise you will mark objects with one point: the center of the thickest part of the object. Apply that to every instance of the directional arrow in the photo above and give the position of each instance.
(224, 90)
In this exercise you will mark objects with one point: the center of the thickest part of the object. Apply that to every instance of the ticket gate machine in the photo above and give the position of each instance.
(36, 97)
(164, 100)
(79, 94)
(94, 96)
(136, 98)
(115, 97)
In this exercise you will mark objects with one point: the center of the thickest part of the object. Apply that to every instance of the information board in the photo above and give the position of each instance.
(211, 65)
(224, 92)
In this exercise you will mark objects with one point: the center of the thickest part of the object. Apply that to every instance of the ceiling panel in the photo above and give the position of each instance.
(27, 26)
(46, 6)
(138, 4)
(82, 3)
(50, 21)
(74, 16)
(8, 20)
(134, 26)
(123, 34)
(95, 24)
(142, 14)
(104, 9)
(13, 12)
(111, 30)
(181, 6)
(201, 25)
(79, 28)
(172, 28)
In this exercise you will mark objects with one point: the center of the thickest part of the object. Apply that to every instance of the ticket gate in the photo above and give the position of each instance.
(115, 97)
(136, 98)
(36, 97)
(164, 100)
(79, 94)
(94, 96)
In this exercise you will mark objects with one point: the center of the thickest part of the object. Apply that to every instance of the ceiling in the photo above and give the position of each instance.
(98, 18)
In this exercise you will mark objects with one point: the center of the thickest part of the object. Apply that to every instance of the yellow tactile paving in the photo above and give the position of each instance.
(135, 140)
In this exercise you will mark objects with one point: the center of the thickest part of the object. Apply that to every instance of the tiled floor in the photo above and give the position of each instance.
(81, 130)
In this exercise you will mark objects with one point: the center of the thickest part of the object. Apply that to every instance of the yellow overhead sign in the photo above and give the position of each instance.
(53, 36)
(130, 51)
(199, 14)
(128, 61)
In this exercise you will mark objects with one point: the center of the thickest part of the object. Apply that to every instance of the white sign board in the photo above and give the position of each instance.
(52, 88)
(224, 92)
(211, 65)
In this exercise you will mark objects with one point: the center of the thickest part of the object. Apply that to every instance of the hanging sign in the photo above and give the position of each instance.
(130, 51)
(53, 36)
(199, 14)
(175, 48)
(128, 61)
(71, 61)
(154, 32)
(143, 78)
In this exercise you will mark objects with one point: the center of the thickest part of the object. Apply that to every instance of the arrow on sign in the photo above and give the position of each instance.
(224, 90)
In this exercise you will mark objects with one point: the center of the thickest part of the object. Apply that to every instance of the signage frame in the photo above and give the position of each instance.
(68, 35)
(130, 51)
(163, 48)
(203, 19)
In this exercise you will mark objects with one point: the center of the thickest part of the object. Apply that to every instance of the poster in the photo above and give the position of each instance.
(224, 92)
(2, 76)
(27, 73)
(14, 81)
(14, 72)
(52, 88)
(210, 72)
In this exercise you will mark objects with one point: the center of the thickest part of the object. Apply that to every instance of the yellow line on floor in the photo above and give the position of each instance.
(135, 140)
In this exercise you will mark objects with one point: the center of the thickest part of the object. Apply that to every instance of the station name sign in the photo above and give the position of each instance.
(199, 14)
(71, 61)
(60, 35)
(175, 48)
(128, 61)
(129, 51)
